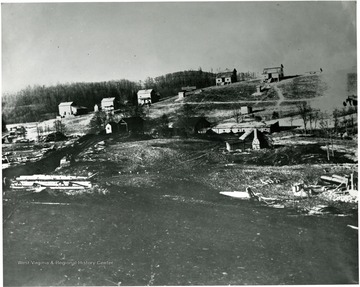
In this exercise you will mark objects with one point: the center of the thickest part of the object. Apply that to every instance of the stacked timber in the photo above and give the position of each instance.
(51, 181)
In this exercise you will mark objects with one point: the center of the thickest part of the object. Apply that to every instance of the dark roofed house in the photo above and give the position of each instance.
(200, 124)
(132, 124)
(192, 125)
(226, 77)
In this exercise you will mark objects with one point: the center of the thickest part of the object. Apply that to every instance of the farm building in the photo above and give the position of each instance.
(132, 124)
(275, 73)
(192, 125)
(108, 104)
(147, 97)
(226, 78)
(71, 109)
(65, 109)
(231, 127)
(186, 91)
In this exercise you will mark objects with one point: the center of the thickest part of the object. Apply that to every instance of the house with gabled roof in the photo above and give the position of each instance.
(147, 97)
(65, 109)
(71, 109)
(226, 77)
(273, 73)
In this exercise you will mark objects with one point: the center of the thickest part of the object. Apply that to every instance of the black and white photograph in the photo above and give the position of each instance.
(179, 143)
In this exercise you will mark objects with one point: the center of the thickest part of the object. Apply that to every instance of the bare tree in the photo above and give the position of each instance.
(324, 123)
(304, 110)
(237, 115)
(336, 119)
(59, 126)
(314, 116)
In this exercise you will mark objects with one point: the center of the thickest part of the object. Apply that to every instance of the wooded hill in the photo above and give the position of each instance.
(39, 103)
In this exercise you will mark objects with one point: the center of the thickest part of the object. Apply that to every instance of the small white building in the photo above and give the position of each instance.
(108, 129)
(108, 104)
(245, 110)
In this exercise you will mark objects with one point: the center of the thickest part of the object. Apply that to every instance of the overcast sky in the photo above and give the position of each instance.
(47, 44)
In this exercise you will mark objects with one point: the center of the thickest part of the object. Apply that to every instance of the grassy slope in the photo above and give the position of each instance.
(303, 87)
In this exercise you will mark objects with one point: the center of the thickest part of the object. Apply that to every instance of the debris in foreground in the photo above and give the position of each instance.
(39, 182)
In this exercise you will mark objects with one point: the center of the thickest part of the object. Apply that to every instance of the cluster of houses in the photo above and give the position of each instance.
(144, 97)
(227, 77)
(271, 74)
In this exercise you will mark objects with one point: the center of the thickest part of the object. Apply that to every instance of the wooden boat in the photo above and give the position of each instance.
(40, 181)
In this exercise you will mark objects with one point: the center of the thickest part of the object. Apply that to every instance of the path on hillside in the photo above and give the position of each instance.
(280, 95)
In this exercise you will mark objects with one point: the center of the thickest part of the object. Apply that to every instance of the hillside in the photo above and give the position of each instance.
(325, 91)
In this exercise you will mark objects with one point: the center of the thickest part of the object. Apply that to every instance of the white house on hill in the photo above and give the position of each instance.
(226, 77)
(108, 104)
(71, 109)
(66, 109)
(276, 73)
(144, 96)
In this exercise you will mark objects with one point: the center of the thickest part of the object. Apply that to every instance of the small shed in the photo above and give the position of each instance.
(186, 91)
(111, 127)
(245, 110)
